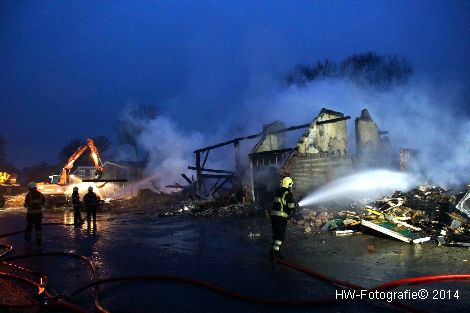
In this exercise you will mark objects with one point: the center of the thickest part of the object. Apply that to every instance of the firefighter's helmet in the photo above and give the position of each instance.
(287, 182)
(90, 188)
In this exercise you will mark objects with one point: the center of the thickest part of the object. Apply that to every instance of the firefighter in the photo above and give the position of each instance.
(34, 202)
(283, 206)
(92, 202)
(77, 219)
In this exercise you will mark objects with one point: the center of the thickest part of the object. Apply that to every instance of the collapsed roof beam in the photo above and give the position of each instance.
(210, 170)
(237, 140)
(215, 176)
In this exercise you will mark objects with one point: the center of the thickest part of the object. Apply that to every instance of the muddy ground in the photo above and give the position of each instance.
(231, 253)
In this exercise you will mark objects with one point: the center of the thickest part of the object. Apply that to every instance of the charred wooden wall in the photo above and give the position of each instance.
(312, 170)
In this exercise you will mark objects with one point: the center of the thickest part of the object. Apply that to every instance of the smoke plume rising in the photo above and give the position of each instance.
(170, 149)
(420, 115)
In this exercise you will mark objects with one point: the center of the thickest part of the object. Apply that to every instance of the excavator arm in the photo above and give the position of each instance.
(96, 158)
(69, 165)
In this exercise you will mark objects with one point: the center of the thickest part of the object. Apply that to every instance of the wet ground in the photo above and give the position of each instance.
(222, 252)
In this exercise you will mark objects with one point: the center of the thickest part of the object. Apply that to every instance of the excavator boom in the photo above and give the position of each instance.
(64, 176)
(57, 191)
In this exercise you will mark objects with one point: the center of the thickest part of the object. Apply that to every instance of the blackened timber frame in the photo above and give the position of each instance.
(199, 168)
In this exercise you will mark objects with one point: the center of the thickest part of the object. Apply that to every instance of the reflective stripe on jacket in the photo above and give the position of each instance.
(283, 203)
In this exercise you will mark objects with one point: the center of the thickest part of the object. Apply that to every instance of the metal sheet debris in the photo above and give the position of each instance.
(464, 205)
(390, 229)
(423, 214)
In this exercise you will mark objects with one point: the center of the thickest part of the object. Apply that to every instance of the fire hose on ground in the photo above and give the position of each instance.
(63, 302)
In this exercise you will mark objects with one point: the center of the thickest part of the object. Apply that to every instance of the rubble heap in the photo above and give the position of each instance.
(147, 200)
(218, 209)
(14, 201)
(422, 214)
(178, 204)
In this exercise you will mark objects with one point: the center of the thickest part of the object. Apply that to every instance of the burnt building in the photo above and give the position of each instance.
(321, 154)
(372, 145)
(266, 160)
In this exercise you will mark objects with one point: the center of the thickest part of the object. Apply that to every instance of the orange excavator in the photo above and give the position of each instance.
(56, 188)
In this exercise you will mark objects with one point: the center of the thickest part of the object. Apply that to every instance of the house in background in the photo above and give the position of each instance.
(85, 172)
(131, 171)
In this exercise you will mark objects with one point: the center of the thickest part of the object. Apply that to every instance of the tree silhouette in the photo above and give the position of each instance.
(371, 69)
(102, 143)
(132, 124)
(381, 71)
(70, 149)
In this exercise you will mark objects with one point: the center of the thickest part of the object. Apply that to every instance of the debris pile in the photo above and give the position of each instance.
(173, 204)
(145, 200)
(14, 201)
(218, 209)
(313, 220)
(422, 214)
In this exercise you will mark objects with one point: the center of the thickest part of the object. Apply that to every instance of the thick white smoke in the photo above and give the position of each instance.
(420, 115)
(170, 150)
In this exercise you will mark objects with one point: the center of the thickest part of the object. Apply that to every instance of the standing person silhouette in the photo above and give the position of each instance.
(92, 202)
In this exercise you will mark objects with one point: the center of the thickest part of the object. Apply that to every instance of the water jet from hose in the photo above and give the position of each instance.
(369, 184)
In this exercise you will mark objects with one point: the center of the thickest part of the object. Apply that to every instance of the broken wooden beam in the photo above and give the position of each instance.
(215, 176)
(333, 120)
(233, 141)
(198, 172)
(211, 170)
(205, 159)
(186, 178)
(218, 145)
(221, 184)
(238, 167)
(175, 186)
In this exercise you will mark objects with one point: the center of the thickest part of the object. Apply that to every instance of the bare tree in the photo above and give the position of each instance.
(305, 73)
(38, 172)
(102, 143)
(381, 71)
(370, 68)
(132, 124)
(69, 149)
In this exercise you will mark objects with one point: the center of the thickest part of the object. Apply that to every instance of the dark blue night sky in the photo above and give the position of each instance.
(68, 68)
